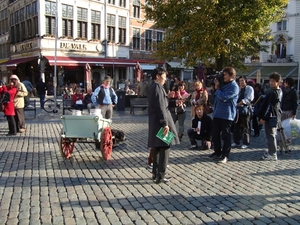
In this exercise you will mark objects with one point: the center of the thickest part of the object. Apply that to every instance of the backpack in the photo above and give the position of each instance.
(101, 94)
(5, 97)
(258, 105)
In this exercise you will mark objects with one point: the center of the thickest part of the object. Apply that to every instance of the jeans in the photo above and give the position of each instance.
(42, 100)
(271, 138)
(181, 118)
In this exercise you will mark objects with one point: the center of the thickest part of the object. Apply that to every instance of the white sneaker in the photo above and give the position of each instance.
(244, 146)
(29, 106)
(150, 166)
(234, 145)
(268, 157)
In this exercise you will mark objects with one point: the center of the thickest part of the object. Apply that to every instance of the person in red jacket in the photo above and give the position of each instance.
(77, 100)
(9, 108)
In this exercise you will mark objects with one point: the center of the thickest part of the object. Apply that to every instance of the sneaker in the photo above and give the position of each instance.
(150, 166)
(234, 145)
(29, 106)
(244, 146)
(193, 147)
(268, 157)
(223, 159)
(214, 156)
(22, 130)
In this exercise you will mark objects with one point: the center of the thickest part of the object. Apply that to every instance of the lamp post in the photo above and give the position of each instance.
(114, 55)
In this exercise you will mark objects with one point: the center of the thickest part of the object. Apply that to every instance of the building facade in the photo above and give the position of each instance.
(105, 37)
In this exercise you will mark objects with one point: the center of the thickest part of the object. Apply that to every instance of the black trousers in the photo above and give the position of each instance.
(221, 132)
(160, 161)
(20, 119)
(11, 124)
(241, 130)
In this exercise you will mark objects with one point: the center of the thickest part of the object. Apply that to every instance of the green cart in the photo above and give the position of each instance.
(85, 129)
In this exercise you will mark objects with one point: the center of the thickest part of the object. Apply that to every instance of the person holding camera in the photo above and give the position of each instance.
(224, 113)
(199, 97)
(242, 123)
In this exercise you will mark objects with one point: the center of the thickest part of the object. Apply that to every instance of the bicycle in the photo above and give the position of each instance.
(49, 105)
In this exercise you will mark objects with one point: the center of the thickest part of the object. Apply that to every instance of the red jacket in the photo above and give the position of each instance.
(76, 97)
(9, 108)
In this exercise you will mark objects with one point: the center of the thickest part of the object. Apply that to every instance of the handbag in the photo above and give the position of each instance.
(243, 110)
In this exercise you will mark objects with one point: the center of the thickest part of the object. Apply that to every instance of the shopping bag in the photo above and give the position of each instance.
(291, 128)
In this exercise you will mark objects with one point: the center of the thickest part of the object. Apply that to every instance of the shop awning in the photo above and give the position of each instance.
(249, 71)
(284, 71)
(176, 65)
(147, 67)
(81, 61)
(13, 63)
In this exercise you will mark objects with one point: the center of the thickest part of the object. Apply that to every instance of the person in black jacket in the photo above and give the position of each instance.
(41, 88)
(204, 132)
(271, 107)
(289, 103)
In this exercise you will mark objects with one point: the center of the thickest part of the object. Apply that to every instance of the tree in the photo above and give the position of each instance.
(196, 29)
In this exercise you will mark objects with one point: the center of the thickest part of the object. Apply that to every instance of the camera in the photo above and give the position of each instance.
(219, 76)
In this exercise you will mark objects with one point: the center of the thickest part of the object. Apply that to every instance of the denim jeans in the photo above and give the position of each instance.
(181, 118)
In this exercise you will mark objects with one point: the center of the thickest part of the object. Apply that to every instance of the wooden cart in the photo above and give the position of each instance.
(85, 129)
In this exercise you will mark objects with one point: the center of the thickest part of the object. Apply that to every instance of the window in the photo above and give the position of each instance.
(136, 8)
(148, 40)
(159, 37)
(111, 27)
(122, 3)
(67, 20)
(50, 11)
(34, 8)
(28, 12)
(95, 32)
(111, 2)
(122, 29)
(81, 23)
(282, 25)
(136, 38)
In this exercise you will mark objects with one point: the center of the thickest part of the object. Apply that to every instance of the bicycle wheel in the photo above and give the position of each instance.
(49, 105)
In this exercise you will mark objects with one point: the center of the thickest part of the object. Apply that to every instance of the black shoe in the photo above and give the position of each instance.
(162, 180)
(214, 156)
(10, 134)
(154, 178)
(193, 147)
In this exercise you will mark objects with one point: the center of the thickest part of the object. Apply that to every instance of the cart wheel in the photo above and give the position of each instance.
(66, 147)
(106, 143)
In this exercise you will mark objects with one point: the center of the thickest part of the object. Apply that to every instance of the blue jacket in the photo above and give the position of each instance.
(107, 100)
(226, 100)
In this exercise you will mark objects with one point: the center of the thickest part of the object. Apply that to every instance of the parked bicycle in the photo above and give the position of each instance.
(49, 104)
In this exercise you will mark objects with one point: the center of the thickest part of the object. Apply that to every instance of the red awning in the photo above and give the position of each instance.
(82, 61)
(13, 63)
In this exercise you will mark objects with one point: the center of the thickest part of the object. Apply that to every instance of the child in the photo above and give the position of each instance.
(271, 107)
(8, 107)
(203, 132)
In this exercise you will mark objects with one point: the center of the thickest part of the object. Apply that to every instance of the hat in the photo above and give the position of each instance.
(14, 77)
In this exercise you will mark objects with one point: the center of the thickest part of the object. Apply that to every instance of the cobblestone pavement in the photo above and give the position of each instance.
(38, 186)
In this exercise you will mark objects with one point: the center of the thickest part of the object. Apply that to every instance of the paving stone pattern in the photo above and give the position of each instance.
(38, 186)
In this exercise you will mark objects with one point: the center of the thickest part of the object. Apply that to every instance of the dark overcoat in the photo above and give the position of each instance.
(159, 115)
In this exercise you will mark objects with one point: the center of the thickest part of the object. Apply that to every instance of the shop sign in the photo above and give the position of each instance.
(73, 46)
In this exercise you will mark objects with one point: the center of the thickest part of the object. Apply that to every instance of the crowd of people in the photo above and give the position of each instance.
(237, 108)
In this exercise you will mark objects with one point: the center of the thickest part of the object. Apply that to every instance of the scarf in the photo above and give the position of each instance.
(102, 85)
(198, 93)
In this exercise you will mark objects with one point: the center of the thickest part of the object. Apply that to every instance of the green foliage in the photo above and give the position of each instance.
(200, 27)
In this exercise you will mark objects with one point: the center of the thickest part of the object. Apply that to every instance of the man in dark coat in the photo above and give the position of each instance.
(160, 117)
(41, 88)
